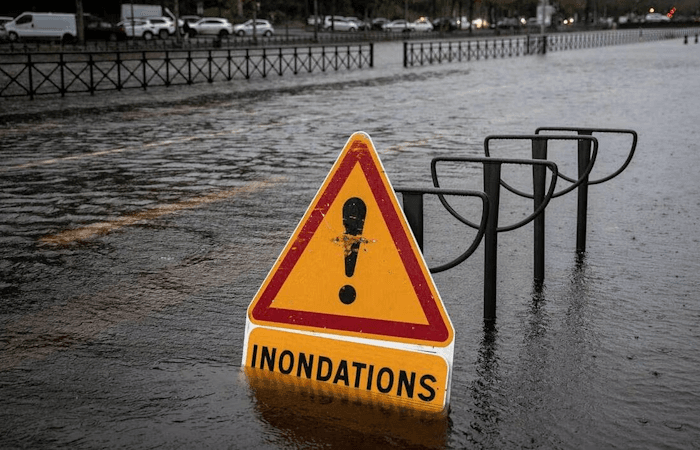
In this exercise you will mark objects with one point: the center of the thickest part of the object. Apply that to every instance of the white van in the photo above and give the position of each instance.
(31, 25)
(147, 12)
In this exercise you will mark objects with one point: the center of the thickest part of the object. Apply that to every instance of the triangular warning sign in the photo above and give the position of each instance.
(352, 266)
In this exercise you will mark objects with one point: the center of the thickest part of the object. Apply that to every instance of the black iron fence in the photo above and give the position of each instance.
(437, 52)
(421, 53)
(32, 74)
(576, 41)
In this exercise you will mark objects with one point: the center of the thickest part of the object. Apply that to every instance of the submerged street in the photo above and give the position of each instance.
(137, 227)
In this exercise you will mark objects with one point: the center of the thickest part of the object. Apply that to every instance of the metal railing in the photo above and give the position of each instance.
(437, 52)
(33, 74)
(489, 226)
(421, 53)
(575, 41)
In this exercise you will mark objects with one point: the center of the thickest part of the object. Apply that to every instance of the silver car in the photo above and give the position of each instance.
(340, 24)
(262, 27)
(140, 28)
(400, 26)
(164, 27)
(211, 26)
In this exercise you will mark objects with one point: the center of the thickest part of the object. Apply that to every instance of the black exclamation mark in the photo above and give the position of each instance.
(354, 212)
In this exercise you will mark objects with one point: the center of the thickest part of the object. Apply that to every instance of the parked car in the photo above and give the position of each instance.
(138, 28)
(31, 25)
(378, 23)
(313, 20)
(422, 24)
(398, 26)
(99, 29)
(3, 31)
(190, 19)
(656, 18)
(361, 24)
(211, 26)
(164, 26)
(445, 24)
(508, 22)
(262, 27)
(339, 24)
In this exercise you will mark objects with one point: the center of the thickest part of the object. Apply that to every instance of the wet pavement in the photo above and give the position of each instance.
(137, 227)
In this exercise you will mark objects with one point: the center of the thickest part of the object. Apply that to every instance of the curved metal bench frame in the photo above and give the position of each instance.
(492, 186)
(413, 209)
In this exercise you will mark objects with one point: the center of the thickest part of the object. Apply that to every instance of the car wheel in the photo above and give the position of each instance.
(352, 30)
(268, 33)
(147, 35)
(241, 33)
(67, 38)
(112, 37)
(223, 34)
(13, 37)
(163, 34)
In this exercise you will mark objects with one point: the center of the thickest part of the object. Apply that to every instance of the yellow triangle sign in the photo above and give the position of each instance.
(352, 266)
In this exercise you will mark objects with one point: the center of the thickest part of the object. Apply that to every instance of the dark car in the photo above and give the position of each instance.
(378, 23)
(98, 29)
(445, 24)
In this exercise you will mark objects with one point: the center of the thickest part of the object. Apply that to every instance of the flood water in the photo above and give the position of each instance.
(136, 228)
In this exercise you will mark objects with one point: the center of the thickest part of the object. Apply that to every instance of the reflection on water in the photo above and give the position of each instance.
(310, 413)
(486, 426)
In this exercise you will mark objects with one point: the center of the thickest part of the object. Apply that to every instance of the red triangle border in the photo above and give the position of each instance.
(436, 329)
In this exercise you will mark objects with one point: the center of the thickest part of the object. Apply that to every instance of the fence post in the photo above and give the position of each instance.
(539, 151)
(492, 184)
(544, 44)
(405, 53)
(189, 66)
(119, 71)
(92, 74)
(167, 68)
(31, 78)
(229, 76)
(63, 81)
(264, 62)
(209, 64)
(143, 69)
(280, 60)
(584, 158)
(527, 45)
(371, 53)
(296, 61)
(413, 209)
